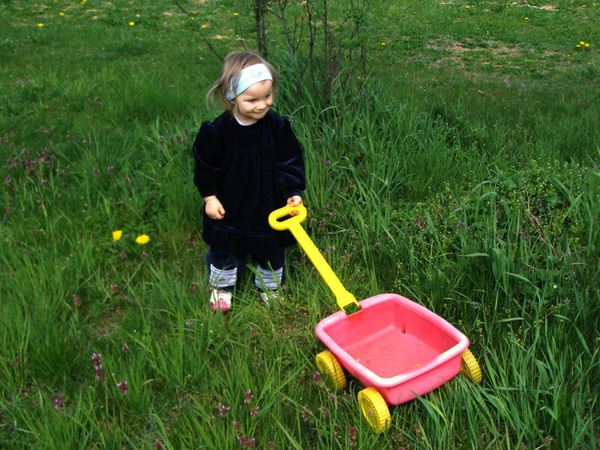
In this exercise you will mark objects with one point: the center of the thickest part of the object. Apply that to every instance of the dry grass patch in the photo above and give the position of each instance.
(449, 46)
(544, 7)
(446, 61)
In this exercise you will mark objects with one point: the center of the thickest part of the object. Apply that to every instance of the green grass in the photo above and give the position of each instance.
(462, 174)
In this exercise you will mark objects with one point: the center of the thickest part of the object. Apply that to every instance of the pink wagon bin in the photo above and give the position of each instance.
(396, 348)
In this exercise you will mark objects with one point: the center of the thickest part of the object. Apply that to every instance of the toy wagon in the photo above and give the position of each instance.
(396, 348)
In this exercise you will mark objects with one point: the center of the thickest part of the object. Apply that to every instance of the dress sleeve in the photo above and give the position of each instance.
(290, 162)
(208, 157)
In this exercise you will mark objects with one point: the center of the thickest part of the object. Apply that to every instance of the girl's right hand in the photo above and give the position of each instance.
(213, 208)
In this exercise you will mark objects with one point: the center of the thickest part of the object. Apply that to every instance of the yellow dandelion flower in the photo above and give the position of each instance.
(235, 14)
(142, 239)
(40, 24)
(84, 2)
(578, 45)
(132, 24)
(383, 44)
(581, 42)
(587, 44)
(204, 26)
(61, 14)
(525, 18)
(117, 234)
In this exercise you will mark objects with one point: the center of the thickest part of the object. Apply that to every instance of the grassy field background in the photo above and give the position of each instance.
(463, 173)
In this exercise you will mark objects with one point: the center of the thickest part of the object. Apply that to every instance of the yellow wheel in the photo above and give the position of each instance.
(470, 367)
(331, 369)
(374, 409)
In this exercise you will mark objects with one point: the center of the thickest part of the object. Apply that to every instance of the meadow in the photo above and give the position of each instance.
(455, 161)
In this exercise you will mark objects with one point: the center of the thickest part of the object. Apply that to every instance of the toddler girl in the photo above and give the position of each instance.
(248, 162)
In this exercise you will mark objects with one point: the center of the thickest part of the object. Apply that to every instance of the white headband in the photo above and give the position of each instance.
(247, 77)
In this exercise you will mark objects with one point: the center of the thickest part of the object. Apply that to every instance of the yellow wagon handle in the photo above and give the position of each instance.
(345, 300)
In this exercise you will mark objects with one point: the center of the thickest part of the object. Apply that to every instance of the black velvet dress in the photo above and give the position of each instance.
(252, 170)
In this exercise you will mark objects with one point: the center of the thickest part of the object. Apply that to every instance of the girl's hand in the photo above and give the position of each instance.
(294, 200)
(213, 208)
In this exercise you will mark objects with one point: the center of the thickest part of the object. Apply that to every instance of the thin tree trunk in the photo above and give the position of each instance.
(260, 9)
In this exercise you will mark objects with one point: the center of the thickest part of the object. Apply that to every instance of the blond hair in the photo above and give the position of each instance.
(233, 63)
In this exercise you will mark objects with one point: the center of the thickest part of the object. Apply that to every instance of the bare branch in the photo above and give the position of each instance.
(211, 47)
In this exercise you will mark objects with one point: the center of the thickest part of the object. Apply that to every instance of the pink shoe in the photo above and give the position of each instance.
(220, 300)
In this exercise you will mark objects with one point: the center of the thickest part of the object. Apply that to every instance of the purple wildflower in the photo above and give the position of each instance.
(248, 396)
(125, 347)
(246, 442)
(352, 433)
(223, 410)
(96, 360)
(58, 402)
(97, 363)
(76, 299)
(254, 411)
(123, 387)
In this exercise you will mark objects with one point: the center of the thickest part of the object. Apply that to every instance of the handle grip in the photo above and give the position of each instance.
(287, 224)
(345, 299)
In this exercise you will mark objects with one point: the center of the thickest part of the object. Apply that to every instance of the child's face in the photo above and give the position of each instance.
(254, 103)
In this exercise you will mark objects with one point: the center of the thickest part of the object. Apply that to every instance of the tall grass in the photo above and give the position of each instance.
(483, 207)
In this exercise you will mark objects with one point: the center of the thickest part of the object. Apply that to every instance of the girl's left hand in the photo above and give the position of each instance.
(294, 200)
